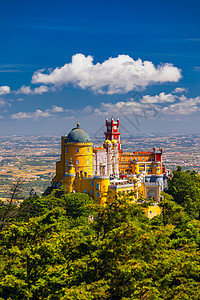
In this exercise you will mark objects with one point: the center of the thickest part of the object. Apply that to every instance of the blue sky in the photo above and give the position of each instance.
(68, 61)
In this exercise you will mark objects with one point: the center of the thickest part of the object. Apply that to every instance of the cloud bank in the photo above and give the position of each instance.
(38, 113)
(151, 105)
(115, 75)
(36, 91)
(184, 106)
(147, 106)
(27, 115)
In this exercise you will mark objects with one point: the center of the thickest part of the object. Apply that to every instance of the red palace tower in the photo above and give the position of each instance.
(112, 131)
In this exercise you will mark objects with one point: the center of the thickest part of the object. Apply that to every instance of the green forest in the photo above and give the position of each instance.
(65, 246)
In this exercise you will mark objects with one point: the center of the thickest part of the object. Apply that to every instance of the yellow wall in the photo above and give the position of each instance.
(96, 187)
(152, 211)
(81, 155)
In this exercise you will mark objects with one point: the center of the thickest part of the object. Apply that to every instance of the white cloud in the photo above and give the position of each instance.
(24, 90)
(185, 106)
(154, 104)
(125, 108)
(40, 90)
(38, 113)
(57, 108)
(35, 115)
(180, 90)
(28, 91)
(115, 75)
(161, 98)
(4, 103)
(4, 90)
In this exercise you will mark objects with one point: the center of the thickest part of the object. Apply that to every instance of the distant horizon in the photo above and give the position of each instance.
(124, 135)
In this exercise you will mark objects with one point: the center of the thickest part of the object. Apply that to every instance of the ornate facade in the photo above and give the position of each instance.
(103, 172)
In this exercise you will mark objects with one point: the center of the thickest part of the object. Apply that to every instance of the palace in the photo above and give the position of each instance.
(106, 171)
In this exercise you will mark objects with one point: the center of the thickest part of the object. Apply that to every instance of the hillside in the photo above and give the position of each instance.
(65, 246)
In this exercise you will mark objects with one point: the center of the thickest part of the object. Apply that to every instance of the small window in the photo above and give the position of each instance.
(92, 183)
(77, 169)
(67, 150)
(77, 162)
(98, 194)
(88, 168)
(143, 158)
(91, 192)
(84, 191)
(157, 170)
(88, 150)
(123, 158)
(67, 161)
(67, 168)
(97, 186)
(77, 150)
(88, 161)
(150, 212)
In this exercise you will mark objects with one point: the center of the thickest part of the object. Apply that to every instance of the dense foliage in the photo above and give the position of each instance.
(64, 246)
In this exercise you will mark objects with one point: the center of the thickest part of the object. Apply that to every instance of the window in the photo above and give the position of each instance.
(67, 161)
(88, 161)
(67, 168)
(84, 191)
(77, 162)
(150, 212)
(98, 194)
(92, 183)
(88, 168)
(77, 150)
(67, 150)
(77, 169)
(97, 186)
(157, 170)
(88, 150)
(143, 158)
(123, 158)
(91, 192)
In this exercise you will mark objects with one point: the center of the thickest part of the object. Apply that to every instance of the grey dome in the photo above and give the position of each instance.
(78, 135)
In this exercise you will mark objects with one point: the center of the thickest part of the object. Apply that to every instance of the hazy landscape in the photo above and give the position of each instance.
(33, 158)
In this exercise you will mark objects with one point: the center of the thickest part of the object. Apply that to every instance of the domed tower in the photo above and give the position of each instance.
(76, 148)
